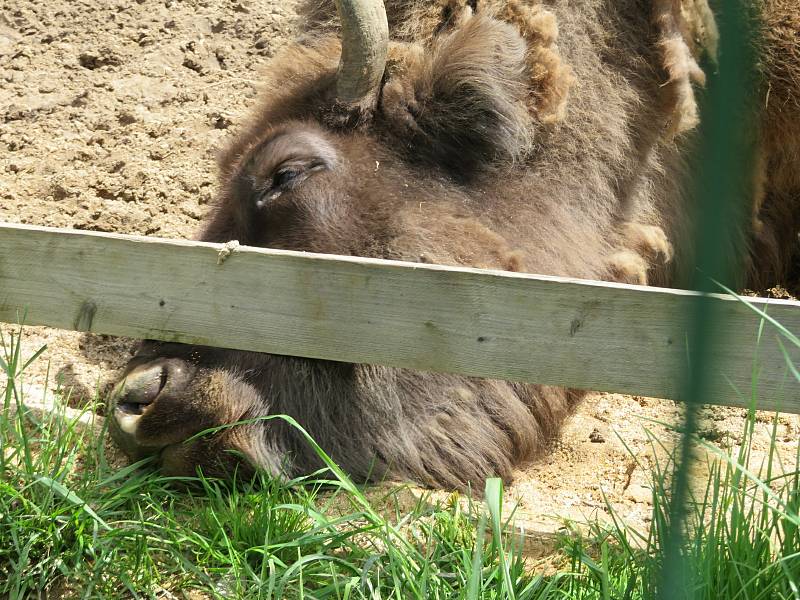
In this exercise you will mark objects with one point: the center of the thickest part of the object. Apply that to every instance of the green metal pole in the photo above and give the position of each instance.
(722, 168)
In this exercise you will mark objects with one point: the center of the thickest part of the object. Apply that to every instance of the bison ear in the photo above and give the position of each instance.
(461, 104)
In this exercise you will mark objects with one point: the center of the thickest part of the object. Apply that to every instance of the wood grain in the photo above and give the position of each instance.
(557, 331)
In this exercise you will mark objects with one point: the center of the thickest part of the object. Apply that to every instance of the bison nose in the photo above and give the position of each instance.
(138, 390)
(142, 387)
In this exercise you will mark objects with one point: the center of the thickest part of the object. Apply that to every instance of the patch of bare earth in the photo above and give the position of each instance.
(110, 114)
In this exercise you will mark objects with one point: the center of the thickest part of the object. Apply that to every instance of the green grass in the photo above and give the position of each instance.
(71, 525)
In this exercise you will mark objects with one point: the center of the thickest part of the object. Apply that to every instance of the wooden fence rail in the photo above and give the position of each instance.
(550, 330)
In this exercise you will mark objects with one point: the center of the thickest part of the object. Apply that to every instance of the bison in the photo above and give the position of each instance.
(547, 137)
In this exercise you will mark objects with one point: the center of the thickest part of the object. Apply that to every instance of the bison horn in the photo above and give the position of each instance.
(365, 42)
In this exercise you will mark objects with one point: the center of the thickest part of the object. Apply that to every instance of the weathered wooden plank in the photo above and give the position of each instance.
(550, 330)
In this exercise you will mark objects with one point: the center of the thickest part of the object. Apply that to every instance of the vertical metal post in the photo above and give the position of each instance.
(723, 170)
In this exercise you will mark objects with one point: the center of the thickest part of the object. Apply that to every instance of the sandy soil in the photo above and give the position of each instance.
(110, 114)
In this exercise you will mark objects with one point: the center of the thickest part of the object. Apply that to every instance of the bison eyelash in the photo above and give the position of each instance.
(285, 177)
(272, 190)
(283, 180)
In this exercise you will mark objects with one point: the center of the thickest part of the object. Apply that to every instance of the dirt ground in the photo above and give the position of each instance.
(110, 114)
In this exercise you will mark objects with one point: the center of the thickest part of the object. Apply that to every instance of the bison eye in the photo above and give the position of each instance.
(283, 177)
(279, 184)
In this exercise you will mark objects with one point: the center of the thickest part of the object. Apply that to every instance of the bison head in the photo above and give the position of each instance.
(434, 150)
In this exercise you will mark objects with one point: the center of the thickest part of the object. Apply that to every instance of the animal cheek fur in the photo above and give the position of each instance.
(212, 398)
(219, 398)
(215, 457)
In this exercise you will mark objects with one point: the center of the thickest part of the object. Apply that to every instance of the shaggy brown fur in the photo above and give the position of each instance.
(507, 135)
(681, 67)
(776, 203)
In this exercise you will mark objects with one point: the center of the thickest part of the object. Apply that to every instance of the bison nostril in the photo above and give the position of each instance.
(142, 386)
(163, 379)
(136, 391)
(130, 408)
